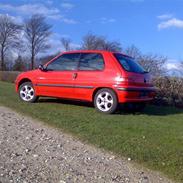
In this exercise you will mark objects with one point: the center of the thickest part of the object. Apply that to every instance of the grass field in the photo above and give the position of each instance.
(153, 138)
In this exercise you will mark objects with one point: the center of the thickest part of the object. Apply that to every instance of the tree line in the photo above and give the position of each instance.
(32, 37)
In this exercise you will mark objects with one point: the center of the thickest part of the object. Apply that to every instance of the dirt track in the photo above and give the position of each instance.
(32, 152)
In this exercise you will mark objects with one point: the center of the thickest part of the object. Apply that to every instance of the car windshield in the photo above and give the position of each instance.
(129, 64)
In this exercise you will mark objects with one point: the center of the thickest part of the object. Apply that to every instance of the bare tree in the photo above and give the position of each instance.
(151, 62)
(66, 43)
(94, 42)
(133, 52)
(154, 63)
(111, 46)
(37, 32)
(9, 34)
(91, 42)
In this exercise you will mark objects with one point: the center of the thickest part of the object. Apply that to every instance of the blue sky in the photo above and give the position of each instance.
(154, 26)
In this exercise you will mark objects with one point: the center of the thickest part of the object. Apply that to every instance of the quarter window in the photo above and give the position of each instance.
(66, 62)
(91, 62)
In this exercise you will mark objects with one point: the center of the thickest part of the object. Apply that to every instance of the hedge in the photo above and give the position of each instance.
(9, 76)
(170, 91)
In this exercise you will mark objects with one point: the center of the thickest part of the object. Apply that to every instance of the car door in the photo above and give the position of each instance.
(57, 79)
(89, 75)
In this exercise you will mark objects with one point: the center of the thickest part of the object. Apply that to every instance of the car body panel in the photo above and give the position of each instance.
(82, 85)
(53, 83)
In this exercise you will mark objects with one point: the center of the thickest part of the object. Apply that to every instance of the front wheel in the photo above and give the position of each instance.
(27, 92)
(105, 101)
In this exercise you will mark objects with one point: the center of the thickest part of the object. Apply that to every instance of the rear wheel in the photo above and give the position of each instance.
(105, 101)
(27, 92)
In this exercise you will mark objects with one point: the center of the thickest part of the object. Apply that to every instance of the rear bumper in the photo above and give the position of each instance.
(136, 89)
(135, 94)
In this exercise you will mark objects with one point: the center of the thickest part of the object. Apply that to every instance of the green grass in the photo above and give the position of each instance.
(153, 138)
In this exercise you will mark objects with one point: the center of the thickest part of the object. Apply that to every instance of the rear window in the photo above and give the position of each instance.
(129, 64)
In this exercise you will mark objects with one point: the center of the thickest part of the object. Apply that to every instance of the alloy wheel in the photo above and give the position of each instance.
(104, 101)
(27, 93)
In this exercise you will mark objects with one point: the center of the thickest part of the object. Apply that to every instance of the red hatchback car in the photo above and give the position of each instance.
(102, 77)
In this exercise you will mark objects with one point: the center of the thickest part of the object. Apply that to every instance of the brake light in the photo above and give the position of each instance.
(120, 79)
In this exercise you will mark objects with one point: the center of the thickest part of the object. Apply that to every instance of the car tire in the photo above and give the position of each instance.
(106, 101)
(27, 92)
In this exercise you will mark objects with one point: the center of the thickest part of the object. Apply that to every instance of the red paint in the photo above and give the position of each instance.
(83, 84)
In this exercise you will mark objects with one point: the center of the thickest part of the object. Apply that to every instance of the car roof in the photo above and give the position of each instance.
(86, 51)
(93, 51)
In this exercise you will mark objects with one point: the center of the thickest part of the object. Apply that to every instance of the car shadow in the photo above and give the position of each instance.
(66, 101)
(151, 110)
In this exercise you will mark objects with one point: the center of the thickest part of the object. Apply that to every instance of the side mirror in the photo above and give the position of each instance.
(42, 67)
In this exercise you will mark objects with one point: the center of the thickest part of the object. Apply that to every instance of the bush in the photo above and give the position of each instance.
(170, 91)
(9, 76)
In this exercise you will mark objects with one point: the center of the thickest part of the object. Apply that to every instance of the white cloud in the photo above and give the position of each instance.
(17, 19)
(102, 20)
(165, 16)
(59, 35)
(67, 6)
(105, 20)
(174, 68)
(171, 66)
(50, 2)
(168, 20)
(28, 9)
(75, 46)
(69, 21)
(173, 22)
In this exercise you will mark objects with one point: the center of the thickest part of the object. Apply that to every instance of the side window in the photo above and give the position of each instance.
(91, 62)
(66, 62)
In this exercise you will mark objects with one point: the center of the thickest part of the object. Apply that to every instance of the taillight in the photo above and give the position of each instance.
(121, 79)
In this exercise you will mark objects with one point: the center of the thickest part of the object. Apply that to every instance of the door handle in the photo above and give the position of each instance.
(74, 76)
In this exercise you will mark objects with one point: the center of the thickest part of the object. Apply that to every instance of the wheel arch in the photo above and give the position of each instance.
(99, 88)
(23, 80)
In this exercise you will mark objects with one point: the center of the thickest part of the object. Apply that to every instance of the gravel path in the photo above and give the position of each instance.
(32, 152)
